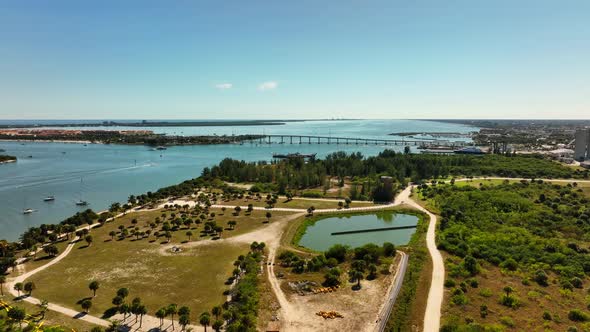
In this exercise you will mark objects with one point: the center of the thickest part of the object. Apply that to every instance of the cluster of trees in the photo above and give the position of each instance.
(115, 137)
(531, 225)
(52, 233)
(363, 262)
(537, 229)
(241, 311)
(289, 175)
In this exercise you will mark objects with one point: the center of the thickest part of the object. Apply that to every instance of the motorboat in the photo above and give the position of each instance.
(28, 211)
(81, 203)
(49, 199)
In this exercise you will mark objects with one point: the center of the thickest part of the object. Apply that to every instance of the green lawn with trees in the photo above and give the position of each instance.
(128, 252)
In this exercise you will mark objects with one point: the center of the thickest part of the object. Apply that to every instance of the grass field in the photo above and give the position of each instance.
(297, 203)
(38, 260)
(194, 277)
(51, 318)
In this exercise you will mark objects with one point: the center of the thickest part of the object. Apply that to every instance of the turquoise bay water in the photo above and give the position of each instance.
(318, 236)
(102, 174)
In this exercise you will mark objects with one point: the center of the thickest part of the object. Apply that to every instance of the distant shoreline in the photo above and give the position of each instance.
(49, 141)
(154, 124)
(157, 123)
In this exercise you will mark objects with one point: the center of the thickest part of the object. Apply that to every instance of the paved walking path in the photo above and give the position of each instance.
(436, 292)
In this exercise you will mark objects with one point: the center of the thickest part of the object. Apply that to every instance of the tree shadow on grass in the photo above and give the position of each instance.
(110, 312)
(84, 299)
(83, 247)
(21, 297)
(43, 258)
(80, 315)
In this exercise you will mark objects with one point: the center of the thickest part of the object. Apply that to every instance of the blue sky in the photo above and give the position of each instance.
(294, 59)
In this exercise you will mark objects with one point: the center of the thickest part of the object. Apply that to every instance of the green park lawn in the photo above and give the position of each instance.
(296, 203)
(194, 277)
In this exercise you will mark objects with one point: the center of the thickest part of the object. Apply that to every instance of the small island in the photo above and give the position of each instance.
(4, 159)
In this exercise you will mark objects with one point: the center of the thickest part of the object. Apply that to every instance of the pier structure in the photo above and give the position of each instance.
(312, 139)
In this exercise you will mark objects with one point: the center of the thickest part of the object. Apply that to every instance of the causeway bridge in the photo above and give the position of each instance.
(313, 139)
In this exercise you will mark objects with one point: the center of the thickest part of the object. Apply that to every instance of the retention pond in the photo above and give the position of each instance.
(358, 230)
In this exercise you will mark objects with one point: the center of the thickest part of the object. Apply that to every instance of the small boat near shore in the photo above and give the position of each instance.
(81, 203)
(28, 211)
(49, 199)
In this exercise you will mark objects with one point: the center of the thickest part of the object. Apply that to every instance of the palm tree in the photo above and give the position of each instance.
(2, 282)
(172, 310)
(124, 309)
(161, 314)
(217, 325)
(88, 239)
(204, 320)
(219, 230)
(123, 292)
(184, 310)
(232, 224)
(508, 290)
(216, 311)
(358, 276)
(93, 286)
(141, 310)
(189, 234)
(227, 316)
(18, 287)
(44, 305)
(268, 215)
(29, 287)
(86, 304)
(372, 271)
(34, 251)
(113, 234)
(117, 301)
(183, 320)
(17, 314)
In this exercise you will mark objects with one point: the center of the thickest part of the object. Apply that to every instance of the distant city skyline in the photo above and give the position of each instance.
(134, 59)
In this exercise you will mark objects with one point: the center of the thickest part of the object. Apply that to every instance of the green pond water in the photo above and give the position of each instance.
(318, 236)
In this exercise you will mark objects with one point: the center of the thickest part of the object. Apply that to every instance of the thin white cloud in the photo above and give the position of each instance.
(270, 85)
(224, 86)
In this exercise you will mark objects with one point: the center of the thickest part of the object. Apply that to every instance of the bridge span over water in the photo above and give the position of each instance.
(313, 139)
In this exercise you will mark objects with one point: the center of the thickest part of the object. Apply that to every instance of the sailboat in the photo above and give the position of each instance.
(27, 210)
(81, 202)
